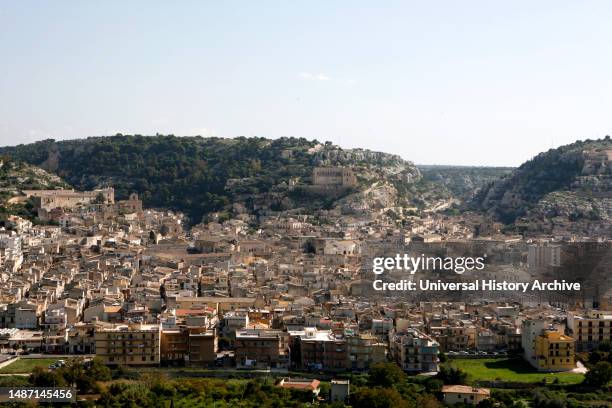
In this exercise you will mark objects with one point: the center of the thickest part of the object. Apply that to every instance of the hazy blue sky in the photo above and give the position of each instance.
(448, 82)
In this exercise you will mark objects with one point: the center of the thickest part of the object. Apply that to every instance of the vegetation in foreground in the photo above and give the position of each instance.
(385, 386)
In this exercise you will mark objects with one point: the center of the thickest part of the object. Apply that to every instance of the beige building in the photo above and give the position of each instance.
(543, 255)
(464, 394)
(50, 199)
(589, 329)
(334, 176)
(364, 350)
(414, 351)
(220, 304)
(137, 344)
(454, 338)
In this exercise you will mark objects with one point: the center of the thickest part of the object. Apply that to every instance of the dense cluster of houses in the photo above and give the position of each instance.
(135, 287)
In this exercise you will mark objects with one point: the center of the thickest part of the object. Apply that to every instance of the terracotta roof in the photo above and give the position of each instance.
(300, 384)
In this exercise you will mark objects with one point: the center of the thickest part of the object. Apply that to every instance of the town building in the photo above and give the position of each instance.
(301, 384)
(262, 349)
(414, 351)
(128, 344)
(322, 349)
(545, 348)
(334, 176)
(590, 328)
(51, 199)
(464, 394)
(340, 390)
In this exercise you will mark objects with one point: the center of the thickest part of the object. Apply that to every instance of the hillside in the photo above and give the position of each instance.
(461, 182)
(568, 188)
(16, 176)
(203, 175)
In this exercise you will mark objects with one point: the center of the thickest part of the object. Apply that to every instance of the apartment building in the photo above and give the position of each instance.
(322, 349)
(220, 304)
(262, 349)
(414, 351)
(174, 346)
(129, 344)
(454, 338)
(192, 346)
(24, 314)
(590, 328)
(545, 348)
(364, 350)
(554, 351)
(203, 347)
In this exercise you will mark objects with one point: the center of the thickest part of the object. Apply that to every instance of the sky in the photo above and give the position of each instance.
(440, 82)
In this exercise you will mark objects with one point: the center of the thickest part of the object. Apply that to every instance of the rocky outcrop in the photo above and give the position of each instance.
(571, 183)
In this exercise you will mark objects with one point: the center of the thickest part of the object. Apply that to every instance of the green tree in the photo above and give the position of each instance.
(545, 399)
(599, 375)
(443, 357)
(98, 370)
(488, 403)
(127, 396)
(605, 346)
(595, 357)
(385, 375)
(427, 401)
(41, 377)
(377, 398)
(73, 372)
(452, 375)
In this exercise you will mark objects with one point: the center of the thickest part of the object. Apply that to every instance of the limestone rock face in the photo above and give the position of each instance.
(568, 189)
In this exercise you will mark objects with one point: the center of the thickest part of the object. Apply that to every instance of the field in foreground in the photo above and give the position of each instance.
(514, 369)
(26, 365)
